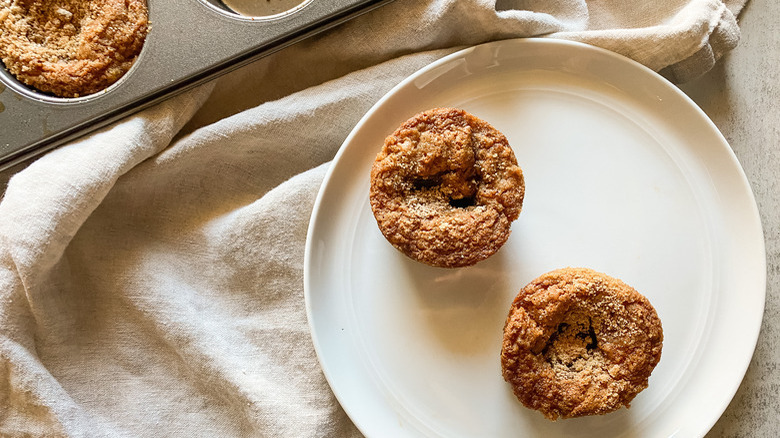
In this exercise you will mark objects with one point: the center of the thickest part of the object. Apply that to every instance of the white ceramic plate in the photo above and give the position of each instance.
(624, 174)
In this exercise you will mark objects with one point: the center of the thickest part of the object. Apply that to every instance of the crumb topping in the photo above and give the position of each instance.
(578, 342)
(71, 48)
(446, 187)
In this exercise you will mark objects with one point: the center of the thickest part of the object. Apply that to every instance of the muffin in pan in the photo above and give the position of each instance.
(71, 48)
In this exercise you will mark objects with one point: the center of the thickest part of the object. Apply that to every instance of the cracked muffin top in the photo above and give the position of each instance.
(71, 48)
(445, 188)
(578, 342)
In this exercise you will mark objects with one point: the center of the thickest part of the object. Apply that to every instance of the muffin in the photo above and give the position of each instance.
(445, 188)
(578, 342)
(71, 48)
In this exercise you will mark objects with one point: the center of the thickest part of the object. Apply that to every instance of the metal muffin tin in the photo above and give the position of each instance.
(189, 42)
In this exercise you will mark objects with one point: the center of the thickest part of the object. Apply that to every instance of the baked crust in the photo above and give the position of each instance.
(71, 48)
(578, 342)
(445, 188)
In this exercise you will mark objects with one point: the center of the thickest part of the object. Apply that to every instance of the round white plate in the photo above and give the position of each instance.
(624, 174)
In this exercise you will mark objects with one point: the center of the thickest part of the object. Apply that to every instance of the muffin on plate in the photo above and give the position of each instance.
(445, 188)
(578, 342)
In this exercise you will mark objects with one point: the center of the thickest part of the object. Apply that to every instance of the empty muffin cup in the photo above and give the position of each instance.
(258, 8)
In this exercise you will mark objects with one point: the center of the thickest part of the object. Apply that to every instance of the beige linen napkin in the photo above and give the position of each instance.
(151, 274)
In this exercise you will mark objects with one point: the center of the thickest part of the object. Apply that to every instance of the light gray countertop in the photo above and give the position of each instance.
(742, 96)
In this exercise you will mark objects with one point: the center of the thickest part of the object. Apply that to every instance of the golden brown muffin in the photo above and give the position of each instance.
(71, 48)
(578, 342)
(445, 188)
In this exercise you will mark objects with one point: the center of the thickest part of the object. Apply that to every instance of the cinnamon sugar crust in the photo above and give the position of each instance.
(445, 188)
(71, 48)
(578, 342)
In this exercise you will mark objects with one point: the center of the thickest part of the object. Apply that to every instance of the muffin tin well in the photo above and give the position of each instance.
(258, 8)
(189, 43)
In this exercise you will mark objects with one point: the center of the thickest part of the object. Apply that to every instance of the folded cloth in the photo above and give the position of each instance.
(151, 273)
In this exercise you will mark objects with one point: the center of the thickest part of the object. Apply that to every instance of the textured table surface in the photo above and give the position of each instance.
(742, 96)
